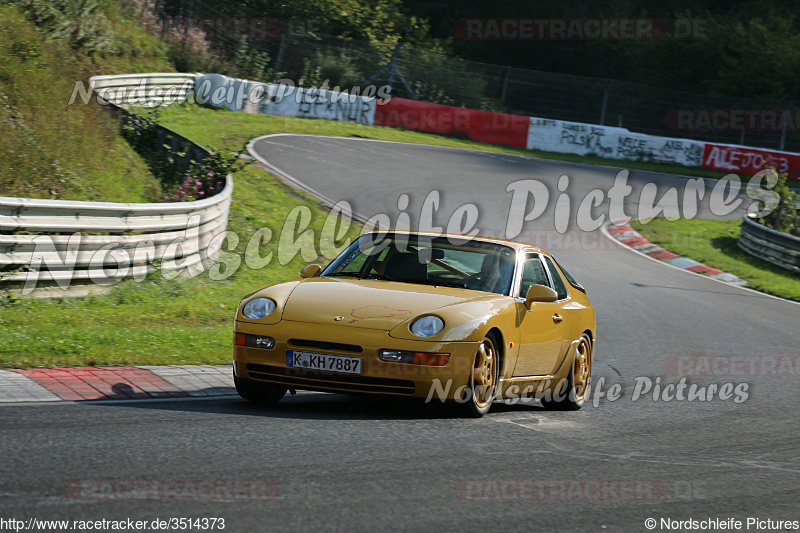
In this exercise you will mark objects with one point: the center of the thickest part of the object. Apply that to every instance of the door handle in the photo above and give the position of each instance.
(557, 318)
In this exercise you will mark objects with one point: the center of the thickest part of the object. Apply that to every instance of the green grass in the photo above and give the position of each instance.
(187, 321)
(49, 149)
(713, 242)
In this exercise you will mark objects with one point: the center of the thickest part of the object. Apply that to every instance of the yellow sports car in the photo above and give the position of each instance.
(467, 320)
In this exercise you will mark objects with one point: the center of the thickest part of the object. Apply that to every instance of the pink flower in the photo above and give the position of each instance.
(210, 174)
(202, 193)
(198, 182)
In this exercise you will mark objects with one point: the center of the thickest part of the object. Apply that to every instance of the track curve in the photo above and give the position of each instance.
(648, 313)
(347, 464)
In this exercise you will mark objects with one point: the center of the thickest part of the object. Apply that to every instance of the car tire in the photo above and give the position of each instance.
(483, 381)
(260, 393)
(577, 381)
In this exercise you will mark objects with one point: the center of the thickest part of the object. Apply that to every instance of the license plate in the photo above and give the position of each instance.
(321, 361)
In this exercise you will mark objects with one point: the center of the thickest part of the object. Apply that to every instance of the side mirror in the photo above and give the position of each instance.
(540, 293)
(310, 271)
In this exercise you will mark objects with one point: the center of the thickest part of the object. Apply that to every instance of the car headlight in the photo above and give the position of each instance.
(258, 308)
(427, 326)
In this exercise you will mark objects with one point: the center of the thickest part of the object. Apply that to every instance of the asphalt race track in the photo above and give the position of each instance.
(350, 464)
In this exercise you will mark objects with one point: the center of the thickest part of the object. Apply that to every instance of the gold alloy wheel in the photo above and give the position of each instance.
(484, 374)
(581, 368)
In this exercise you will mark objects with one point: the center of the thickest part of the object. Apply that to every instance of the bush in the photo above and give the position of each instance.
(335, 67)
(251, 63)
(186, 58)
(440, 79)
(206, 177)
(785, 217)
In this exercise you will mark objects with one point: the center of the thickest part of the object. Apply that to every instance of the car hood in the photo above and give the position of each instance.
(371, 304)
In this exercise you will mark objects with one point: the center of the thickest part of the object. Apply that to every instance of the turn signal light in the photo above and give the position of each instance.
(253, 341)
(414, 358)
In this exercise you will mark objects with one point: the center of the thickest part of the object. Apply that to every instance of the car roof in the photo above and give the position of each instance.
(517, 246)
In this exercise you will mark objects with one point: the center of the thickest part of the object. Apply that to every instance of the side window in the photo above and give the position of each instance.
(558, 283)
(532, 274)
(570, 279)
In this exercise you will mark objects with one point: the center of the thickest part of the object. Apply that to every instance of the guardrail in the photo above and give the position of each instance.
(56, 242)
(780, 249)
(103, 242)
(163, 88)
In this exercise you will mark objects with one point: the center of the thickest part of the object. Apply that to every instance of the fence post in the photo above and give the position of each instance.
(505, 87)
(784, 120)
(281, 46)
(394, 73)
(605, 103)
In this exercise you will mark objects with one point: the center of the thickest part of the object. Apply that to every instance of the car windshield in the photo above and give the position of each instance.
(466, 264)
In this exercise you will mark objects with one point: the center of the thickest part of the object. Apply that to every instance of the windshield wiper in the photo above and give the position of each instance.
(376, 275)
(359, 275)
(444, 283)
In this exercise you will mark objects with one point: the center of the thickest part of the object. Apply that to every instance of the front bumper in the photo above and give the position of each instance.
(377, 377)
